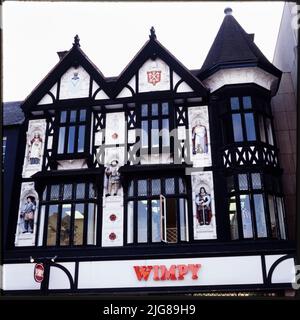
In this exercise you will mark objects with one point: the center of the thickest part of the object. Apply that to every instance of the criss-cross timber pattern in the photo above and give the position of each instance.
(180, 116)
(250, 155)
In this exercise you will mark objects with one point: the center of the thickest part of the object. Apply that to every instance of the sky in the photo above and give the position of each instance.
(111, 33)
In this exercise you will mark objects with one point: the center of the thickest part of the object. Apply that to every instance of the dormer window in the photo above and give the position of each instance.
(72, 130)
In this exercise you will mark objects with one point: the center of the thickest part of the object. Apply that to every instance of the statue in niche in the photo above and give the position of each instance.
(199, 138)
(27, 214)
(203, 212)
(112, 179)
(35, 149)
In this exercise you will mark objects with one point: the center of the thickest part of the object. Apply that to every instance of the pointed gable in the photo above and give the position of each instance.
(233, 47)
(154, 67)
(74, 74)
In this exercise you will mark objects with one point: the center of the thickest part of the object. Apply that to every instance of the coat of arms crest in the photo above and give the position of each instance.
(154, 77)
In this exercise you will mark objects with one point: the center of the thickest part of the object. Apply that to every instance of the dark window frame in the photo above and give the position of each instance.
(260, 109)
(159, 117)
(46, 202)
(67, 124)
(265, 192)
(149, 197)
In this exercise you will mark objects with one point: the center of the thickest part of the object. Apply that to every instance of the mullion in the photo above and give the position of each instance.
(45, 233)
(86, 213)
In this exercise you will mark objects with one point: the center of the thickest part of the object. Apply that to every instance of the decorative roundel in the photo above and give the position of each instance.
(113, 217)
(115, 136)
(112, 236)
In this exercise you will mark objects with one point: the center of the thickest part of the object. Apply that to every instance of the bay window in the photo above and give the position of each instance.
(68, 215)
(157, 211)
(255, 207)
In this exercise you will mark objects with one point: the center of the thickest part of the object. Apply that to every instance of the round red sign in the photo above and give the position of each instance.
(39, 272)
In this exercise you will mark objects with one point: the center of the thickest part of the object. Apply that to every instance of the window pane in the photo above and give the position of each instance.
(92, 191)
(260, 216)
(247, 104)
(61, 140)
(156, 237)
(54, 195)
(262, 129)
(142, 187)
(246, 216)
(82, 115)
(181, 185)
(234, 231)
(52, 225)
(234, 103)
(281, 217)
(170, 186)
(182, 218)
(243, 183)
(165, 133)
(269, 131)
(45, 193)
(250, 127)
(67, 191)
(154, 134)
(256, 181)
(230, 184)
(154, 109)
(144, 110)
(91, 224)
(155, 184)
(130, 222)
(78, 224)
(81, 136)
(71, 140)
(142, 221)
(165, 108)
(63, 116)
(65, 225)
(237, 127)
(73, 116)
(144, 133)
(80, 191)
(41, 227)
(130, 189)
(272, 217)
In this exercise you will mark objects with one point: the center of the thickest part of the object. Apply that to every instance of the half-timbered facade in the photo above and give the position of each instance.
(160, 179)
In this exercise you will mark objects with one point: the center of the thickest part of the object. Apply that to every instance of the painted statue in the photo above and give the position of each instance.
(27, 214)
(203, 200)
(35, 149)
(199, 138)
(113, 179)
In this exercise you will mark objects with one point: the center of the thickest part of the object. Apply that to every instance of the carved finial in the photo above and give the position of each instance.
(152, 33)
(228, 11)
(76, 41)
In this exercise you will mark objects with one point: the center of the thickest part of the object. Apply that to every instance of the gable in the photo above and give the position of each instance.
(74, 76)
(157, 69)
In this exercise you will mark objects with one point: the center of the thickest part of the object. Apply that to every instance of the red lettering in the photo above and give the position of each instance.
(182, 271)
(194, 269)
(142, 272)
(156, 273)
(168, 274)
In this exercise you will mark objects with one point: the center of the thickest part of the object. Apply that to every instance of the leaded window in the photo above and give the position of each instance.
(157, 211)
(255, 207)
(68, 215)
(72, 132)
